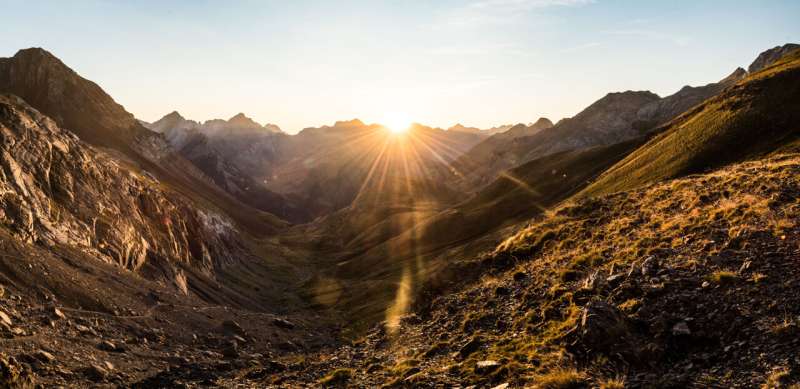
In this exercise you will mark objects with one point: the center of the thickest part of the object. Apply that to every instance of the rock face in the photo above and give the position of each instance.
(56, 190)
(770, 56)
(83, 108)
(77, 104)
(235, 155)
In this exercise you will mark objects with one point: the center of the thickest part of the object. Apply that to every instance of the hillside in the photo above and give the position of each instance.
(616, 117)
(631, 289)
(758, 115)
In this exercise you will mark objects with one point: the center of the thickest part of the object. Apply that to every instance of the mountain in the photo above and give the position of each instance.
(771, 56)
(756, 116)
(629, 290)
(602, 251)
(233, 154)
(617, 117)
(83, 108)
(303, 176)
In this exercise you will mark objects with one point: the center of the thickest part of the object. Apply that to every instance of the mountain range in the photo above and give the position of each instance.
(645, 242)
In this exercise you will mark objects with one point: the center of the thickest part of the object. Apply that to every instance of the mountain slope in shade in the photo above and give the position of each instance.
(617, 117)
(756, 116)
(83, 108)
(230, 153)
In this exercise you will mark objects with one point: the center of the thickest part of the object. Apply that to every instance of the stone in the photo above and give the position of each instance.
(283, 323)
(649, 266)
(603, 327)
(5, 319)
(681, 329)
(615, 278)
(95, 373)
(57, 313)
(470, 347)
(232, 327)
(110, 347)
(44, 356)
(487, 366)
(501, 386)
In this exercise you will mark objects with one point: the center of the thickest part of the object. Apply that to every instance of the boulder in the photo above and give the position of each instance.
(604, 328)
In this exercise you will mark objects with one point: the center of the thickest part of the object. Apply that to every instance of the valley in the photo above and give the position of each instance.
(647, 241)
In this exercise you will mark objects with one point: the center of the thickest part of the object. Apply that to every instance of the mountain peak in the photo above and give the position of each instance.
(33, 52)
(174, 115)
(240, 120)
(770, 56)
(737, 75)
(349, 123)
(542, 123)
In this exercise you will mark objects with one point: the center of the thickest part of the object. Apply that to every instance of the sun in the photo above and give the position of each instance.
(396, 123)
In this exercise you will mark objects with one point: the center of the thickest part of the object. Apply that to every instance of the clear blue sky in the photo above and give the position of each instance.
(479, 62)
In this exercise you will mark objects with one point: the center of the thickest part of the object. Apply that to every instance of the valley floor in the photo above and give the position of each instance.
(689, 283)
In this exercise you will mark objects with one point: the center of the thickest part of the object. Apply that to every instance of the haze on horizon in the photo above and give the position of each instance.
(477, 62)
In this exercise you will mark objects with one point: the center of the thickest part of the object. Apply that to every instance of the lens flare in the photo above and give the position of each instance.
(396, 123)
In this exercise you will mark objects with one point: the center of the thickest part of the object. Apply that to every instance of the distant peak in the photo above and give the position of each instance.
(241, 120)
(349, 123)
(542, 123)
(737, 75)
(173, 115)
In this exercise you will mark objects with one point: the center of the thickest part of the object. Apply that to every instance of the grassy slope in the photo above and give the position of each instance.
(369, 265)
(715, 253)
(754, 117)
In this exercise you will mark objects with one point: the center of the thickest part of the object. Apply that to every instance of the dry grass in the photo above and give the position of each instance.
(560, 379)
(723, 277)
(337, 377)
(612, 383)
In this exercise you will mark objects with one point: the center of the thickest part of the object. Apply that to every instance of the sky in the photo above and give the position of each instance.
(309, 63)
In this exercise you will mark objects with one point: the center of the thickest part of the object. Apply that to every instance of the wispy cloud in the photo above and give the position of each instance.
(676, 39)
(503, 11)
(582, 47)
(524, 5)
(507, 49)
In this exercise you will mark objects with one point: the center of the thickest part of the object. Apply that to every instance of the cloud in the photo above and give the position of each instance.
(525, 5)
(507, 49)
(585, 46)
(484, 12)
(675, 39)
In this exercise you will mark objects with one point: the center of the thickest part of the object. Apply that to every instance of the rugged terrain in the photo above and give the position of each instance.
(646, 242)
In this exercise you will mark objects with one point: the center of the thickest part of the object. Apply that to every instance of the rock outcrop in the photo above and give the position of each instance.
(55, 190)
(769, 57)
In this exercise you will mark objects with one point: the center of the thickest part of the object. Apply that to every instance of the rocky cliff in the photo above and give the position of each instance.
(58, 191)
